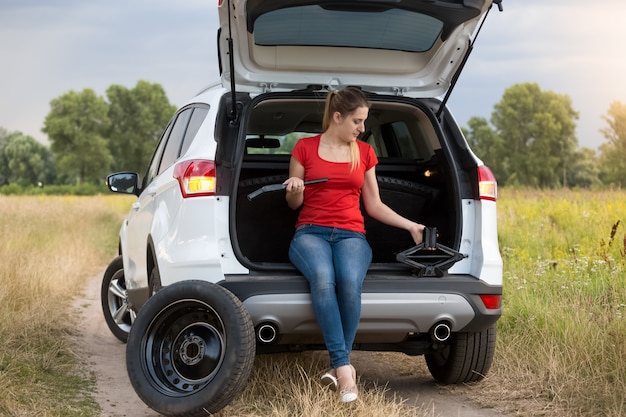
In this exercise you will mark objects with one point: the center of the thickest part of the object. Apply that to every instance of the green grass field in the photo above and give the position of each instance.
(560, 348)
(561, 343)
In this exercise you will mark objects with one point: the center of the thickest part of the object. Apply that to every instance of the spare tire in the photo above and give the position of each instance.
(191, 349)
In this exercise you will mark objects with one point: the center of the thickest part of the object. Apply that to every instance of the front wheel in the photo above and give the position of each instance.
(466, 358)
(114, 299)
(191, 349)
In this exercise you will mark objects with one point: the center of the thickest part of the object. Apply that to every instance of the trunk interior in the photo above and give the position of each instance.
(413, 176)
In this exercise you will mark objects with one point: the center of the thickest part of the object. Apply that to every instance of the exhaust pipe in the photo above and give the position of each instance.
(441, 332)
(267, 333)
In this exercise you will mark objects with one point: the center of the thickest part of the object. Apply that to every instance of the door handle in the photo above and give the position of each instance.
(136, 206)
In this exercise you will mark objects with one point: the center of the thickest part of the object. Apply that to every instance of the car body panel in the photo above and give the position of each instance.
(480, 241)
(137, 230)
(293, 313)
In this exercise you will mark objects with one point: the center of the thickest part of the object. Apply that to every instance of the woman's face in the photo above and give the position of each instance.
(352, 125)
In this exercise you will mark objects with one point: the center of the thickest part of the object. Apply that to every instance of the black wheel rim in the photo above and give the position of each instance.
(184, 347)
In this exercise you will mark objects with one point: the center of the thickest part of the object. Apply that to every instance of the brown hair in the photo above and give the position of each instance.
(345, 101)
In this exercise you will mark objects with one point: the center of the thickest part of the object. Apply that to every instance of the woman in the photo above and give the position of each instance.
(329, 246)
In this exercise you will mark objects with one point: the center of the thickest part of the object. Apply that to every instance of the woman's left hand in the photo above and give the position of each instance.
(417, 232)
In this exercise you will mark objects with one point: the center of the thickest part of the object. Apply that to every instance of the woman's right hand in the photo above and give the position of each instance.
(294, 185)
(295, 192)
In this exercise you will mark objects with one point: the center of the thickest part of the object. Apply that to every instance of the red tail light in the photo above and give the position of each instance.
(492, 301)
(196, 177)
(487, 185)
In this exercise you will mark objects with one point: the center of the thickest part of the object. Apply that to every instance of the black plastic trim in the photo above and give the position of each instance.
(246, 286)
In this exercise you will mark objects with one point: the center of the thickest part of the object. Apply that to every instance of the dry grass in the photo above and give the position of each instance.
(287, 385)
(49, 246)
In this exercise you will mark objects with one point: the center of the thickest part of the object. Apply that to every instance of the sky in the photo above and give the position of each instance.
(48, 48)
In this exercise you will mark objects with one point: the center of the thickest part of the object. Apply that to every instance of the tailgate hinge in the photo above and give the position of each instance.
(400, 91)
(267, 88)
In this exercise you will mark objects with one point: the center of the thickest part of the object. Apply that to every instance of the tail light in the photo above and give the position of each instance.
(487, 185)
(491, 301)
(196, 177)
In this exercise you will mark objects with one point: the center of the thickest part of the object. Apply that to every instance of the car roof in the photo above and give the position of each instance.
(404, 47)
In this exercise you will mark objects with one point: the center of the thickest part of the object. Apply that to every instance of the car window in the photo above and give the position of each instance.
(197, 117)
(406, 143)
(174, 142)
(314, 25)
(396, 140)
(372, 139)
(255, 145)
(156, 158)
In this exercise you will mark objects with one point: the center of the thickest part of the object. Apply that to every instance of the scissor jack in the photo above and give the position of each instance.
(429, 258)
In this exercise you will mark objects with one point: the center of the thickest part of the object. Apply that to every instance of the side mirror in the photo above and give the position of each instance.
(124, 183)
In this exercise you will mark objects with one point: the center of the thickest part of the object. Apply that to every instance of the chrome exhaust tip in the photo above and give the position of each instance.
(267, 333)
(441, 332)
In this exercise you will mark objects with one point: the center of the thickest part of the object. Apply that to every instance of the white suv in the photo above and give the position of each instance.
(203, 281)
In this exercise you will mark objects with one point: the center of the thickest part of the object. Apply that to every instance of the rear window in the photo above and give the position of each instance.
(313, 25)
(277, 144)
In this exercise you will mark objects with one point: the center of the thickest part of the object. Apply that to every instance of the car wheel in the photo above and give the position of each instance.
(191, 349)
(467, 358)
(117, 313)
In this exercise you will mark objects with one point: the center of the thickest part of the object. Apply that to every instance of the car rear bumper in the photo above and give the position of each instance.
(392, 307)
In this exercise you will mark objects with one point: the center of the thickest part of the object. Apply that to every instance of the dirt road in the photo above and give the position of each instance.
(106, 356)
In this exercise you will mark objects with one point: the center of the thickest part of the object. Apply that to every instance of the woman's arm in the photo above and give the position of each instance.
(382, 212)
(295, 184)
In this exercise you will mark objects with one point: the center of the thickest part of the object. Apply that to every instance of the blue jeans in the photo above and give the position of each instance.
(335, 262)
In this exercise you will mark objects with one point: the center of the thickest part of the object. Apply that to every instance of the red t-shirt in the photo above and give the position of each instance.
(335, 203)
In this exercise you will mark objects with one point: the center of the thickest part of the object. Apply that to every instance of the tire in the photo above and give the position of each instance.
(155, 281)
(117, 313)
(467, 358)
(191, 349)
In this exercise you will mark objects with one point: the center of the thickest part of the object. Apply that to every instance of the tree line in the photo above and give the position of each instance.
(90, 136)
(530, 139)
